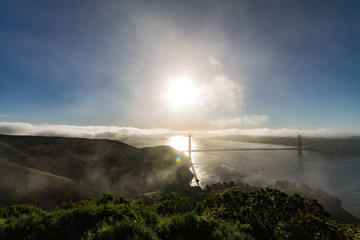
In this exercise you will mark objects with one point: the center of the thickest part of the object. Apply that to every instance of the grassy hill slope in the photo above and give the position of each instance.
(24, 185)
(102, 164)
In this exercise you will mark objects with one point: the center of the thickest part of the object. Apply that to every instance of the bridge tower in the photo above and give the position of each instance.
(190, 148)
(192, 165)
(299, 146)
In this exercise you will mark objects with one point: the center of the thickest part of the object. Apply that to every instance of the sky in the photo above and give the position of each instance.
(249, 66)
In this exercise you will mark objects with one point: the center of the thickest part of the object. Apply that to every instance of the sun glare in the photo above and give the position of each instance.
(181, 92)
(180, 143)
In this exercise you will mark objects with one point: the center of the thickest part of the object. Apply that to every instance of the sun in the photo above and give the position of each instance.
(181, 92)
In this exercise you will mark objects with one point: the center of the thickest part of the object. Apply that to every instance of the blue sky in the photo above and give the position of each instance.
(254, 64)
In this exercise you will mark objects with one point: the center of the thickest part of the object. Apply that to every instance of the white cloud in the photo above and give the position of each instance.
(221, 94)
(247, 120)
(214, 62)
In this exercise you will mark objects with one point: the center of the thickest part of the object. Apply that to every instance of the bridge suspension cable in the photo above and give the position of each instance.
(209, 143)
(220, 148)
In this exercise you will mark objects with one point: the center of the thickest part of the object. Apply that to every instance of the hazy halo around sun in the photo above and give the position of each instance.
(181, 92)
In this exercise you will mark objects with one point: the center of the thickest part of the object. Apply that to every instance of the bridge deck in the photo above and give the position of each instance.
(242, 149)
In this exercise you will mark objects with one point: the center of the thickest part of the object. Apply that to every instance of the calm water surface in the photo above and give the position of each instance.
(338, 176)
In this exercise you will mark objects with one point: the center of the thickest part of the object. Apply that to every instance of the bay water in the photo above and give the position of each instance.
(337, 175)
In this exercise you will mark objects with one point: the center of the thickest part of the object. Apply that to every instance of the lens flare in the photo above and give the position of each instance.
(178, 159)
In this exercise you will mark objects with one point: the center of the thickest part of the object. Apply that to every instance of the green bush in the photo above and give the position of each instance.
(106, 198)
(74, 222)
(173, 204)
(263, 210)
(308, 227)
(236, 231)
(18, 210)
(264, 214)
(186, 226)
(24, 226)
(123, 230)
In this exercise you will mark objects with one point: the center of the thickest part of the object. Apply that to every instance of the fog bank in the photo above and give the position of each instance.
(116, 133)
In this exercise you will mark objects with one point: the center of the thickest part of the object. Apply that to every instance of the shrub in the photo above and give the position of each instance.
(18, 210)
(186, 226)
(172, 204)
(308, 227)
(263, 210)
(25, 226)
(235, 231)
(123, 230)
(265, 214)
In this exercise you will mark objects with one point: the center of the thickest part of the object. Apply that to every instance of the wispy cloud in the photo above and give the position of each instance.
(247, 120)
(213, 61)
(162, 49)
(221, 95)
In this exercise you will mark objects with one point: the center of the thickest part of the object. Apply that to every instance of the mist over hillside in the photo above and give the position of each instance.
(78, 168)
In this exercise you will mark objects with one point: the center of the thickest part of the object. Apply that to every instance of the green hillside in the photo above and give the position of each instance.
(24, 185)
(10, 168)
(46, 170)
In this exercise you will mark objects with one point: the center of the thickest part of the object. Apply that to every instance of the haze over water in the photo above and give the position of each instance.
(337, 176)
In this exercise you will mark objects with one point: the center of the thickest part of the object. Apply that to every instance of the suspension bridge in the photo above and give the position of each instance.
(299, 150)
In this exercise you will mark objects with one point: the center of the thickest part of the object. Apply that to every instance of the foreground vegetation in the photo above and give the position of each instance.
(231, 214)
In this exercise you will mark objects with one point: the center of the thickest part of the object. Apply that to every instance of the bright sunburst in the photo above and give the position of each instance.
(181, 92)
(180, 143)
